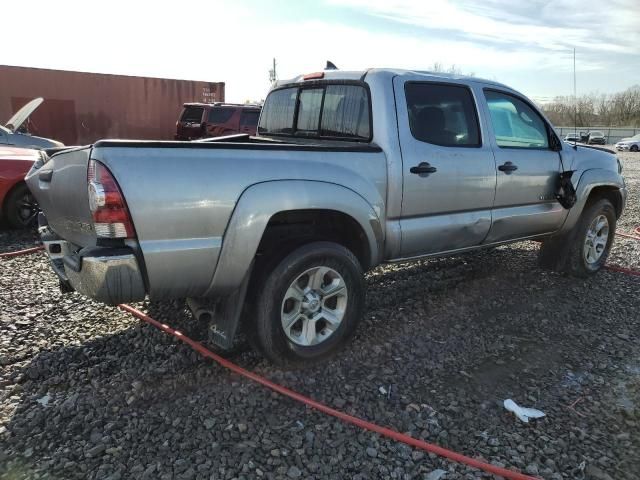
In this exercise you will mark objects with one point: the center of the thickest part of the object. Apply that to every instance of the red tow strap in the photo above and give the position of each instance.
(17, 253)
(386, 432)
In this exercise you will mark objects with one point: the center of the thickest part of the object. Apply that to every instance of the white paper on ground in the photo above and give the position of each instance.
(436, 474)
(522, 413)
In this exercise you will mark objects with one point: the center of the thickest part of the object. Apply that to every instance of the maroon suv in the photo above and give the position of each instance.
(202, 120)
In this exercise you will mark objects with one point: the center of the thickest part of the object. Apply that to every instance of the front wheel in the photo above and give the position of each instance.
(634, 148)
(592, 239)
(309, 304)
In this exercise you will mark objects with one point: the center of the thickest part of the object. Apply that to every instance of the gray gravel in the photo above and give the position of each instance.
(86, 391)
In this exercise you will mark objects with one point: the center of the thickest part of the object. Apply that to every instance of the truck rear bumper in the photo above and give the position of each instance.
(108, 275)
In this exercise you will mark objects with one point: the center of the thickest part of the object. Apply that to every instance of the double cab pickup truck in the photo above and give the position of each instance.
(273, 233)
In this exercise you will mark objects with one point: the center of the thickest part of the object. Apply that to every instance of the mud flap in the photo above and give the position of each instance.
(222, 315)
(554, 252)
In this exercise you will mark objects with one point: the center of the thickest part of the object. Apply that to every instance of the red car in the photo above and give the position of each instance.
(17, 206)
(203, 120)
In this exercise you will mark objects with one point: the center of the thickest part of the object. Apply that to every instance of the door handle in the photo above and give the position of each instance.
(45, 175)
(423, 169)
(508, 167)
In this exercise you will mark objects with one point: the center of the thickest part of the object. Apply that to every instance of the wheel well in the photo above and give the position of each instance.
(610, 193)
(291, 229)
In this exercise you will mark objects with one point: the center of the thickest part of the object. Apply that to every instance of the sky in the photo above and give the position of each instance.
(526, 44)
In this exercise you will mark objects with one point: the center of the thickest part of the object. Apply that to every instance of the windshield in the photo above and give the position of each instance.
(339, 112)
(636, 137)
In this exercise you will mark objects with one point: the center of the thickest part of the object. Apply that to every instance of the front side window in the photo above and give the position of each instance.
(442, 115)
(333, 111)
(516, 124)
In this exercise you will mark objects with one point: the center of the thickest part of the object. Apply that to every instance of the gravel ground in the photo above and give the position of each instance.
(87, 391)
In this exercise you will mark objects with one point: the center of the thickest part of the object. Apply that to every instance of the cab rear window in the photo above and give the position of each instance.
(335, 111)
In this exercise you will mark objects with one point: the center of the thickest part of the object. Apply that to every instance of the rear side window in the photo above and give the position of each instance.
(516, 124)
(338, 112)
(220, 114)
(249, 118)
(192, 114)
(442, 114)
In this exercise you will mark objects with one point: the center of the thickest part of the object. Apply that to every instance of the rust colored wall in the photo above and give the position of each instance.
(80, 108)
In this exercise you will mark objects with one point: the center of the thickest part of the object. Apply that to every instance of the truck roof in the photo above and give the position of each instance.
(359, 74)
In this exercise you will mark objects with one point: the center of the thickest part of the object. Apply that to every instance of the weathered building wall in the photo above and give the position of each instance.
(80, 108)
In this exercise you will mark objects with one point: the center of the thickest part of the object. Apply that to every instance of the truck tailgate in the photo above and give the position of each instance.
(60, 186)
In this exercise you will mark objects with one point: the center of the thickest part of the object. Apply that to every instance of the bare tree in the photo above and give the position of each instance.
(620, 109)
(453, 69)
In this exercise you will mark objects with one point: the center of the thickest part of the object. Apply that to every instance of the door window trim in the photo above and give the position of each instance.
(549, 129)
(447, 84)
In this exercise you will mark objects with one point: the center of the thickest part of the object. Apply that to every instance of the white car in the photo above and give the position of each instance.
(631, 144)
(572, 138)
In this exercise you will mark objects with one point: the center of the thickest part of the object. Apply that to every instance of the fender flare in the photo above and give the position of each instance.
(261, 201)
(590, 179)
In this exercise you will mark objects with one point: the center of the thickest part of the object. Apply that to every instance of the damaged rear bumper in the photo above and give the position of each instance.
(108, 275)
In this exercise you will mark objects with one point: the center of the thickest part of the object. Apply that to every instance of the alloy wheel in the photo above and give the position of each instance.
(314, 306)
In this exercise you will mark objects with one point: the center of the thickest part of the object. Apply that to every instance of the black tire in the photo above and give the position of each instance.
(20, 207)
(634, 148)
(576, 262)
(565, 253)
(269, 333)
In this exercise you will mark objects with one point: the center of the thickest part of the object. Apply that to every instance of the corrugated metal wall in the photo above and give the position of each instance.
(80, 108)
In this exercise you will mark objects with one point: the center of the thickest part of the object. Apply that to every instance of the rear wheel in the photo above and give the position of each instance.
(21, 208)
(309, 304)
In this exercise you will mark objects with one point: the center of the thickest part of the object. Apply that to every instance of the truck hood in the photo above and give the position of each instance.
(21, 115)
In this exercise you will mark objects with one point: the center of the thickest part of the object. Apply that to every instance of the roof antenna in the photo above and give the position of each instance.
(330, 66)
(575, 104)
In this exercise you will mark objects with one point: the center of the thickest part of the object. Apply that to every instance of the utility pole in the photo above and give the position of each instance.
(273, 76)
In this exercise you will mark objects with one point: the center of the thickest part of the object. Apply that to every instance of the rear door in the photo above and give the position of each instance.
(191, 122)
(527, 168)
(249, 121)
(448, 170)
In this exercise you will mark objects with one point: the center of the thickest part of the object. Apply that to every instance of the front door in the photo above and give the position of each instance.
(527, 169)
(449, 173)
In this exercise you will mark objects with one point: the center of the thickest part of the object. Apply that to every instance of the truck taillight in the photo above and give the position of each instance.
(111, 217)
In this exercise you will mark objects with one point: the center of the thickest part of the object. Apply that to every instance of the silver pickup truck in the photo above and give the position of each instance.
(349, 169)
